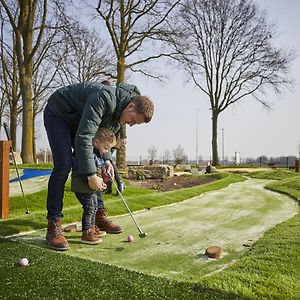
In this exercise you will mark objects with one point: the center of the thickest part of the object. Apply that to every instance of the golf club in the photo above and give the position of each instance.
(141, 233)
(17, 170)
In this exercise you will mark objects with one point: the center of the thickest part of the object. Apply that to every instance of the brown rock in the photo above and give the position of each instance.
(71, 228)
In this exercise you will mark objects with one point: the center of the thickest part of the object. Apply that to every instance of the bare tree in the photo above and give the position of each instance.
(134, 27)
(166, 156)
(32, 44)
(10, 89)
(3, 104)
(28, 21)
(179, 155)
(86, 57)
(152, 152)
(35, 25)
(227, 49)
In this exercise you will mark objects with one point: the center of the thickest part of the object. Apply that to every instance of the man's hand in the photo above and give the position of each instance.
(110, 168)
(96, 183)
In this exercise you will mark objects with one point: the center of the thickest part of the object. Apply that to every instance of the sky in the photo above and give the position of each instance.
(181, 110)
(248, 128)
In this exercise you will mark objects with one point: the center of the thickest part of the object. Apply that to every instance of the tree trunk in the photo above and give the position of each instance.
(121, 152)
(24, 39)
(215, 157)
(34, 138)
(27, 137)
(13, 126)
(14, 103)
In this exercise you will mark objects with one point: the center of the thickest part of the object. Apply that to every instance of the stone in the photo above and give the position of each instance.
(150, 172)
(71, 228)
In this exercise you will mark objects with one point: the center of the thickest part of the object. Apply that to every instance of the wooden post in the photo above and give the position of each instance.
(297, 165)
(4, 178)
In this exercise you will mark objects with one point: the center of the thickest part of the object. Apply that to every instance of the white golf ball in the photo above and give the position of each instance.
(23, 262)
(130, 238)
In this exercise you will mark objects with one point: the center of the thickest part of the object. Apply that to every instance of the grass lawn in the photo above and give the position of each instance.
(269, 270)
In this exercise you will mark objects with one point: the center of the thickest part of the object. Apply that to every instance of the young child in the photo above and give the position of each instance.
(104, 139)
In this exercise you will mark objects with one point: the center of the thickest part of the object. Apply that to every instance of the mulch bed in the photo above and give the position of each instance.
(170, 184)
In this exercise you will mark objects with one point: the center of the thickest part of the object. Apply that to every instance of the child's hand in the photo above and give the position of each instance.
(96, 183)
(105, 176)
(110, 168)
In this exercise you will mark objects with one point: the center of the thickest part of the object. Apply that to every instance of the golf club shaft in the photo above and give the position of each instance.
(124, 201)
(16, 167)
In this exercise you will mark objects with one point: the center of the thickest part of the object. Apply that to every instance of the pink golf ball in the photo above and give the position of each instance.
(23, 262)
(130, 238)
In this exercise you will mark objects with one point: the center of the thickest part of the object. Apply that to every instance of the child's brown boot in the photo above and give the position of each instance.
(97, 232)
(105, 224)
(89, 238)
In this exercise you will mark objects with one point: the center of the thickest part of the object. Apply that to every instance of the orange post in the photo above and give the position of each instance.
(4, 179)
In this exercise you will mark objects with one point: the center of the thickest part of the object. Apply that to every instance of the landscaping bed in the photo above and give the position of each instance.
(172, 183)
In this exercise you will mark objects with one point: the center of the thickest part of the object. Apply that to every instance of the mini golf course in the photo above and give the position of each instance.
(233, 218)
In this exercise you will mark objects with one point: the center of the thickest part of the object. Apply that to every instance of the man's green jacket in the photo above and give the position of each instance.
(86, 107)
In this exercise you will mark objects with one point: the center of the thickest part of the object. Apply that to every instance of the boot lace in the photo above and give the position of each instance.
(57, 229)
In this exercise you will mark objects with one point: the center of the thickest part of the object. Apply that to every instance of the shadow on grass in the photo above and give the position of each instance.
(10, 227)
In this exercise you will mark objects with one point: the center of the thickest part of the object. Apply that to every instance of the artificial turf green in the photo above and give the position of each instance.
(137, 199)
(269, 270)
(52, 275)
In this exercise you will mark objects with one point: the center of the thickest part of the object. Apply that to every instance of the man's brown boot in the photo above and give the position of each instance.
(55, 237)
(105, 224)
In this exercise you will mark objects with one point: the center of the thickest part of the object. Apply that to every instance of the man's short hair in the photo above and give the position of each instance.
(106, 82)
(143, 106)
(106, 136)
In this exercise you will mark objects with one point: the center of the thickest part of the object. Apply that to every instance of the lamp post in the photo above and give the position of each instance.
(223, 155)
(197, 136)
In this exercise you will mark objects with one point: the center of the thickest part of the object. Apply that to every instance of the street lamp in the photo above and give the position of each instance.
(197, 136)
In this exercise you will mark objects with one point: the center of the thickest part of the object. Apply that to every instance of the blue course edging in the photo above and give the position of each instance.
(31, 173)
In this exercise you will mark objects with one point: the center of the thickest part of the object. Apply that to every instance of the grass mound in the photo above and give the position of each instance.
(290, 186)
(276, 174)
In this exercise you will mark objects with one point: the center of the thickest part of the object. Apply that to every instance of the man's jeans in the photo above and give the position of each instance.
(90, 207)
(61, 141)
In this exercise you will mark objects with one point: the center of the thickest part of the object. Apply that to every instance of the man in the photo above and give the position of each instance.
(72, 116)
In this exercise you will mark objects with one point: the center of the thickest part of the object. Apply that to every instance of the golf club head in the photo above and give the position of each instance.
(142, 234)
